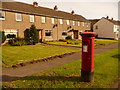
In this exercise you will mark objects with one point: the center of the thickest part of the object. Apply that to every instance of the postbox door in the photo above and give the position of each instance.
(86, 55)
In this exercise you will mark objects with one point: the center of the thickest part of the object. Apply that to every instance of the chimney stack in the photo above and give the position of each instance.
(56, 8)
(72, 12)
(35, 4)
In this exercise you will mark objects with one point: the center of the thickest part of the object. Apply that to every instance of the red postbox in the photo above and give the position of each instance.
(87, 71)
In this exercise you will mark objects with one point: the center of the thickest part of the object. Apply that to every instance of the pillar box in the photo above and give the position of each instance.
(87, 71)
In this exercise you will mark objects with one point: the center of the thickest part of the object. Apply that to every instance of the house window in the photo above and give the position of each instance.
(81, 31)
(53, 20)
(43, 19)
(48, 32)
(78, 23)
(68, 22)
(18, 17)
(32, 18)
(2, 15)
(87, 24)
(73, 22)
(83, 24)
(96, 27)
(64, 33)
(11, 33)
(61, 21)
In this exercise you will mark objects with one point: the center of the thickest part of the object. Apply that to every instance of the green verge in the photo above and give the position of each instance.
(16, 54)
(64, 43)
(97, 42)
(68, 75)
(104, 41)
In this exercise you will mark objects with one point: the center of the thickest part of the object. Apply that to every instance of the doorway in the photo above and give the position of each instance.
(75, 34)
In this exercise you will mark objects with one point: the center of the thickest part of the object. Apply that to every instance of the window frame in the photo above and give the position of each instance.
(96, 27)
(73, 23)
(50, 33)
(61, 21)
(68, 22)
(43, 19)
(53, 20)
(10, 32)
(16, 17)
(83, 24)
(33, 18)
(4, 15)
(16, 14)
(80, 31)
(87, 24)
(65, 32)
(78, 23)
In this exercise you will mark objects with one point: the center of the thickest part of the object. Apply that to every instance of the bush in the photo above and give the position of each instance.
(33, 35)
(2, 33)
(69, 38)
(17, 42)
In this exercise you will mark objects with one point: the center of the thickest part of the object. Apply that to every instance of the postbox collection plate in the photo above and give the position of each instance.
(85, 48)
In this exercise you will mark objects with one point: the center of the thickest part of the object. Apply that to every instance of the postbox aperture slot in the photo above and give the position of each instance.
(85, 42)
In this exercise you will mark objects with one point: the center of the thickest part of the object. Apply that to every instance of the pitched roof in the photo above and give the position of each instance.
(113, 21)
(93, 21)
(30, 9)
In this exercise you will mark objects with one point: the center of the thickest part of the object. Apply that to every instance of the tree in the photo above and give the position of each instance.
(33, 34)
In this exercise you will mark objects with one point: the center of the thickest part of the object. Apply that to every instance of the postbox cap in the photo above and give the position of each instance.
(88, 34)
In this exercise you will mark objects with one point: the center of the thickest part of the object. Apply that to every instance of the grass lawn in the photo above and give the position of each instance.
(16, 54)
(68, 75)
(97, 42)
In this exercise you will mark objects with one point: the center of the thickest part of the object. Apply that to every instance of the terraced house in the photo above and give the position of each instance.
(52, 24)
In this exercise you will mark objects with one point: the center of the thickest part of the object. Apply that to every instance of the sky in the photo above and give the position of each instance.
(90, 9)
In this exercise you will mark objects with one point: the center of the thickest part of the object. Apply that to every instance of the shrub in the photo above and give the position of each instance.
(68, 37)
(33, 35)
(17, 42)
(2, 33)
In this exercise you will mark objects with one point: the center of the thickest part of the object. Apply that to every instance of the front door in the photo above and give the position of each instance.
(40, 34)
(75, 34)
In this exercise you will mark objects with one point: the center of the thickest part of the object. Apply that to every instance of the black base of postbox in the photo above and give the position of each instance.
(87, 76)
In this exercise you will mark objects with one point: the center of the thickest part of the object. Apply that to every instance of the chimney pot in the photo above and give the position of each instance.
(35, 4)
(112, 18)
(107, 17)
(55, 8)
(72, 12)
